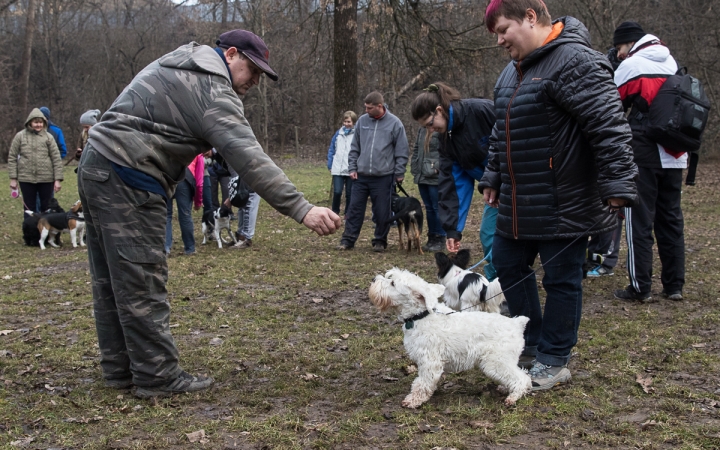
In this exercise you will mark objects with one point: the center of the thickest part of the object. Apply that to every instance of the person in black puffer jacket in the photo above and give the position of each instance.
(559, 168)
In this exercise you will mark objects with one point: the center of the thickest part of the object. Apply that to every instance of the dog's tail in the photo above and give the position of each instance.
(404, 212)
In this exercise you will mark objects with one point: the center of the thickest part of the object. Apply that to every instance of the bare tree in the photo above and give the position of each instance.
(26, 59)
(344, 57)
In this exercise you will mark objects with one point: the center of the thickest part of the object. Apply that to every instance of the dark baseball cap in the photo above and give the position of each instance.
(250, 45)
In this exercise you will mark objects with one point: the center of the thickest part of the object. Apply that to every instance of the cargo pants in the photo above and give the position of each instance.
(125, 239)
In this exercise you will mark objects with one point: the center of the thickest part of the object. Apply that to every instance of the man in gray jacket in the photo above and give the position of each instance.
(179, 106)
(378, 155)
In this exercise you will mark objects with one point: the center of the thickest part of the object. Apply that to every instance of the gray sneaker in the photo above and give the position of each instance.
(546, 377)
(183, 383)
(676, 295)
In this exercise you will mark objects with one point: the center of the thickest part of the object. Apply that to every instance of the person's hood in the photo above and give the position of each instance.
(574, 32)
(35, 114)
(196, 58)
(658, 53)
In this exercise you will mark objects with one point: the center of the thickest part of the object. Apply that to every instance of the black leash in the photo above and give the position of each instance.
(542, 263)
(402, 189)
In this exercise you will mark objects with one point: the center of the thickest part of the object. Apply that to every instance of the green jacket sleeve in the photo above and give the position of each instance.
(12, 156)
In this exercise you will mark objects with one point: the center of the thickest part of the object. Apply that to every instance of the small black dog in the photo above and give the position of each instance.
(407, 211)
(31, 233)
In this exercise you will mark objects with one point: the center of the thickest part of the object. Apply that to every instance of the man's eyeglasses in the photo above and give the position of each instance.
(431, 121)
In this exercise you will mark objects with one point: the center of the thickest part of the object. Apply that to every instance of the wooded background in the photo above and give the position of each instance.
(75, 55)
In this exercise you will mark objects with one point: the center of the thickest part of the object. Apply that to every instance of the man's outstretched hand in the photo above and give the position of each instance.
(322, 221)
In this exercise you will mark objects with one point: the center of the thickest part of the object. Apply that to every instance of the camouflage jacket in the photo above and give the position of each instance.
(34, 157)
(180, 106)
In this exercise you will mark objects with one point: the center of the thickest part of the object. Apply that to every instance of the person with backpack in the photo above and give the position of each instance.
(646, 65)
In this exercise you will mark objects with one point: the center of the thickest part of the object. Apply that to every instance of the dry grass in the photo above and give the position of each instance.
(304, 361)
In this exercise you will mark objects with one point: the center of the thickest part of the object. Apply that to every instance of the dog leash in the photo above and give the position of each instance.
(481, 261)
(402, 189)
(542, 263)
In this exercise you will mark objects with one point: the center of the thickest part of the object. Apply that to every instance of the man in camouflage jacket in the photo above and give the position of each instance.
(176, 108)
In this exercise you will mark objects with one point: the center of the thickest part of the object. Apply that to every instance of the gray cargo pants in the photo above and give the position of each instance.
(126, 239)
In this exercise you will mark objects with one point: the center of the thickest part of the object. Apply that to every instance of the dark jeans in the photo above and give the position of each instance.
(338, 182)
(429, 195)
(607, 245)
(207, 195)
(214, 182)
(184, 199)
(380, 190)
(551, 334)
(31, 192)
(658, 209)
(125, 240)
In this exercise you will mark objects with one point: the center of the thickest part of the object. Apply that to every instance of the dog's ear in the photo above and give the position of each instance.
(444, 264)
(462, 259)
(429, 295)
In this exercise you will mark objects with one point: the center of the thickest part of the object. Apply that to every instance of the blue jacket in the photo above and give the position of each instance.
(57, 133)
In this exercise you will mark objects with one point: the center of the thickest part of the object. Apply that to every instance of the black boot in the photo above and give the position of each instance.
(435, 243)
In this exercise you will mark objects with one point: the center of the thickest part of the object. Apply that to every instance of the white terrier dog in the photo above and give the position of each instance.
(468, 291)
(439, 339)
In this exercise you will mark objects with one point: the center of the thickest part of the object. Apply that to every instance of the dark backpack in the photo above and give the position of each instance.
(679, 113)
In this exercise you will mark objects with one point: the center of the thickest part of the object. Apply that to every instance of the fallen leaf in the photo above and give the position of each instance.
(216, 341)
(481, 424)
(22, 442)
(174, 325)
(7, 277)
(309, 376)
(5, 332)
(647, 425)
(5, 354)
(220, 309)
(317, 300)
(645, 382)
(701, 345)
(345, 336)
(389, 378)
(196, 436)
(83, 419)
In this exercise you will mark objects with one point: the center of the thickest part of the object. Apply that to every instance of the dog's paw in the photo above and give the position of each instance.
(509, 401)
(411, 402)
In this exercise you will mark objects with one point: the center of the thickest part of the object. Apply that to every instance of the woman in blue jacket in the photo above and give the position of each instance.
(465, 126)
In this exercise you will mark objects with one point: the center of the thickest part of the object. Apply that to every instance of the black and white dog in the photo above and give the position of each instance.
(31, 233)
(407, 211)
(465, 290)
(222, 222)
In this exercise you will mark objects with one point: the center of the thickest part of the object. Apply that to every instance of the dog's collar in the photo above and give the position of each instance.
(410, 321)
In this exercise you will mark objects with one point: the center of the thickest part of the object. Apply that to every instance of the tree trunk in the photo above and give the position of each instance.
(26, 61)
(345, 57)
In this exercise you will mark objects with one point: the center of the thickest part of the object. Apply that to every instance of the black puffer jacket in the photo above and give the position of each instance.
(561, 145)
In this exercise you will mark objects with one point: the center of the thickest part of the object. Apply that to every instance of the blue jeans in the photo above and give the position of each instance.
(551, 334)
(429, 195)
(247, 217)
(487, 232)
(338, 182)
(184, 198)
